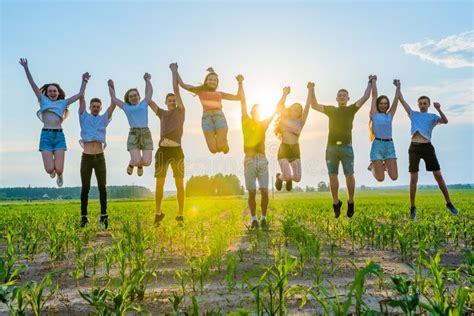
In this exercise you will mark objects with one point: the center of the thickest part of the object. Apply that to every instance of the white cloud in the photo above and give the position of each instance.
(454, 51)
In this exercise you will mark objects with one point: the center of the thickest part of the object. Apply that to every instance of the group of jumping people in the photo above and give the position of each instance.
(289, 122)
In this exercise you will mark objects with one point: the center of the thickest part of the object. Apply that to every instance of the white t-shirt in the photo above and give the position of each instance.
(93, 127)
(57, 107)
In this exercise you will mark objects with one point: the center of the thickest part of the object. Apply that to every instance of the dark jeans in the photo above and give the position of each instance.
(96, 162)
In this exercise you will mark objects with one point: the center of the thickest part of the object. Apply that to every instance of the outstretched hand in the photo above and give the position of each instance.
(174, 67)
(437, 105)
(146, 76)
(210, 69)
(310, 85)
(372, 78)
(239, 78)
(86, 76)
(110, 83)
(24, 62)
(286, 90)
(396, 82)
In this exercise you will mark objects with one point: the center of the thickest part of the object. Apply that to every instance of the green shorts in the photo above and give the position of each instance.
(139, 138)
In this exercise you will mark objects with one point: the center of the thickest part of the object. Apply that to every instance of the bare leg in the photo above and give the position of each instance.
(334, 184)
(48, 161)
(180, 194)
(264, 202)
(392, 169)
(211, 141)
(135, 158)
(285, 170)
(296, 167)
(147, 157)
(221, 140)
(350, 182)
(378, 170)
(252, 202)
(160, 183)
(59, 156)
(413, 183)
(442, 185)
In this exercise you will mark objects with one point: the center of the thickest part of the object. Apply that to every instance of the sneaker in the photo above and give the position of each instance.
(53, 174)
(452, 209)
(278, 182)
(254, 224)
(263, 224)
(337, 209)
(289, 185)
(130, 170)
(413, 213)
(180, 220)
(59, 180)
(140, 171)
(159, 218)
(104, 221)
(84, 221)
(350, 209)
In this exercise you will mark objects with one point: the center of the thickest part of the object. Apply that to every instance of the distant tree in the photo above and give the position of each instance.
(217, 185)
(322, 187)
(310, 189)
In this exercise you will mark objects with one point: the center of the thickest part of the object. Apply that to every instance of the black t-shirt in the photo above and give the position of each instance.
(254, 135)
(340, 123)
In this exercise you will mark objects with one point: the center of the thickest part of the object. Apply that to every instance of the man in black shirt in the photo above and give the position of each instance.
(339, 146)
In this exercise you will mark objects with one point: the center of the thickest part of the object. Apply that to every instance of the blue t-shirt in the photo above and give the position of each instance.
(423, 123)
(137, 115)
(382, 125)
(57, 107)
(93, 127)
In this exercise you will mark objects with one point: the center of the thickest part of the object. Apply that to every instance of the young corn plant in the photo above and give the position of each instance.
(357, 286)
(40, 293)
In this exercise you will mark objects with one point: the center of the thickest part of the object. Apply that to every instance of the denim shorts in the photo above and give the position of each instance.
(336, 154)
(382, 150)
(211, 121)
(256, 169)
(52, 140)
(139, 138)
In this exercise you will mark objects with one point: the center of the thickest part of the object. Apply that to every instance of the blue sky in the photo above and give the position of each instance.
(428, 45)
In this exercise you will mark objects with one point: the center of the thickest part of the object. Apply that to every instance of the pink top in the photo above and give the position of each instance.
(210, 100)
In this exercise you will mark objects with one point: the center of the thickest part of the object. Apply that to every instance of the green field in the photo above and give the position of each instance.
(307, 263)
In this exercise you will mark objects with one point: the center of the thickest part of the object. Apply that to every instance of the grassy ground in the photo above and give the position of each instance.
(306, 263)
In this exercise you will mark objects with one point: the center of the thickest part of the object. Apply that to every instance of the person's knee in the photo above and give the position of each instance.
(102, 188)
(212, 148)
(296, 177)
(135, 161)
(222, 145)
(380, 177)
(59, 170)
(49, 168)
(393, 176)
(438, 176)
(252, 193)
(146, 162)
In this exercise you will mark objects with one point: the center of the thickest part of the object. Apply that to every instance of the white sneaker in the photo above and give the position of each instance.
(59, 180)
(53, 174)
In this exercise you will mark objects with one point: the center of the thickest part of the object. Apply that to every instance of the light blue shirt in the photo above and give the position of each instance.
(93, 127)
(423, 123)
(137, 115)
(57, 107)
(382, 125)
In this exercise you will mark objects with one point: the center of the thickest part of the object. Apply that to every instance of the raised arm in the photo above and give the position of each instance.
(405, 105)
(243, 101)
(36, 90)
(110, 110)
(375, 94)
(314, 102)
(82, 104)
(443, 119)
(281, 104)
(85, 79)
(183, 85)
(153, 106)
(393, 108)
(304, 116)
(231, 97)
(177, 94)
(113, 97)
(366, 95)
(148, 87)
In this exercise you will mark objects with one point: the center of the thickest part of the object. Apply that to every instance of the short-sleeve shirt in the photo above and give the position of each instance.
(172, 122)
(340, 123)
(57, 107)
(210, 100)
(137, 115)
(93, 127)
(423, 123)
(382, 125)
(254, 135)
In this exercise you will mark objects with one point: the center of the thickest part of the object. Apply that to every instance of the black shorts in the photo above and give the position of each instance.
(290, 152)
(166, 156)
(425, 151)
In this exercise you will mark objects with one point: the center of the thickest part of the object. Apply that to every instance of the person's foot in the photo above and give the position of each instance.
(452, 209)
(278, 182)
(263, 224)
(130, 170)
(59, 180)
(289, 185)
(158, 218)
(53, 174)
(413, 213)
(254, 224)
(104, 221)
(84, 221)
(350, 209)
(337, 209)
(226, 149)
(180, 220)
(140, 171)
